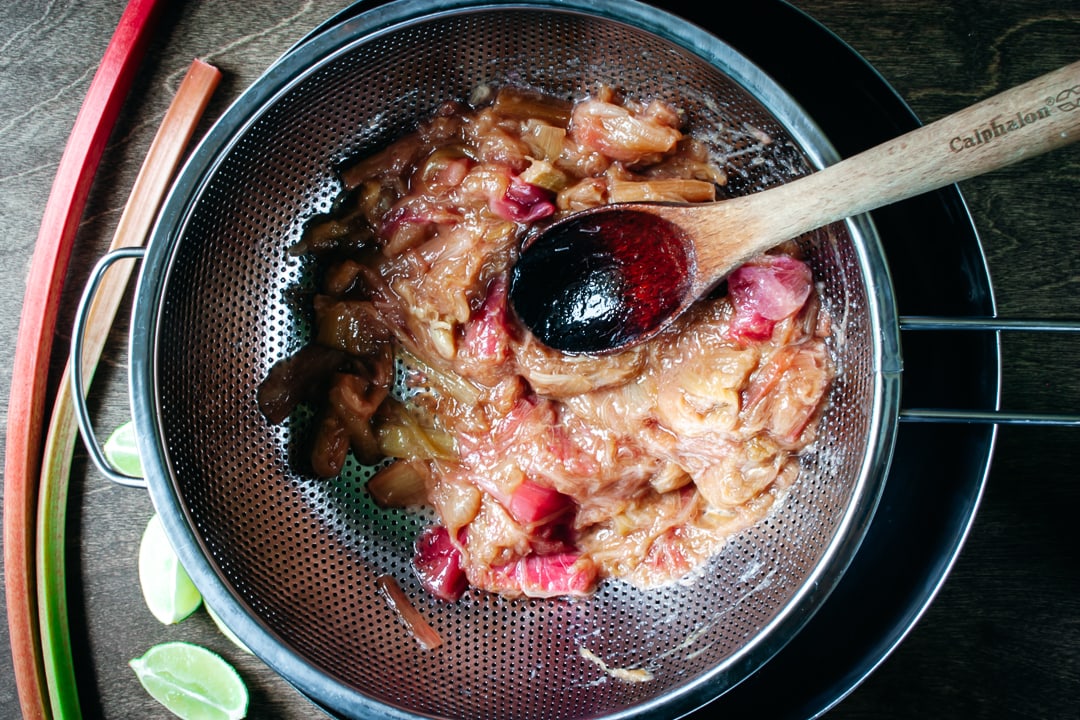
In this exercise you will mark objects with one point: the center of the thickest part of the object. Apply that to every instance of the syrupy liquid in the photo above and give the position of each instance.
(602, 281)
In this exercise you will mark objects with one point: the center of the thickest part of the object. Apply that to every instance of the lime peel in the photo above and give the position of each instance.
(224, 630)
(122, 450)
(167, 589)
(194, 683)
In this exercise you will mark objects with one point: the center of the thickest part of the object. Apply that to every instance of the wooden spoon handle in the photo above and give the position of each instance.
(1027, 120)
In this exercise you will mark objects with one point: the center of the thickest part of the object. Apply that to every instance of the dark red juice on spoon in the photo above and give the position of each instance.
(600, 282)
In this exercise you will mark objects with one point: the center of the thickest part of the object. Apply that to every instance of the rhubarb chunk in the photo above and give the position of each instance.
(764, 291)
(437, 562)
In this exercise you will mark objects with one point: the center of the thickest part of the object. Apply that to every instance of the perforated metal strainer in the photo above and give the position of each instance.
(290, 561)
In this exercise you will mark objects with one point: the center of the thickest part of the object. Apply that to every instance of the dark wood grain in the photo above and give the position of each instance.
(1002, 638)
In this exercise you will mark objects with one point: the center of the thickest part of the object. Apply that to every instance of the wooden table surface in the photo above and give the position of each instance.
(1002, 638)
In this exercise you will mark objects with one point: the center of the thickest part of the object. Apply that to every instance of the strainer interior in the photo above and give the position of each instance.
(299, 555)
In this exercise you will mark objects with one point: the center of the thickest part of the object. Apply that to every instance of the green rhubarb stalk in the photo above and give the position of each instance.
(37, 327)
(151, 185)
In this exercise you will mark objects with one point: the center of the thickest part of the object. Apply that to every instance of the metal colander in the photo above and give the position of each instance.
(290, 561)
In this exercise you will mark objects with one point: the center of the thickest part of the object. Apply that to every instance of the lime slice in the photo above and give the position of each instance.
(166, 587)
(225, 630)
(122, 452)
(192, 682)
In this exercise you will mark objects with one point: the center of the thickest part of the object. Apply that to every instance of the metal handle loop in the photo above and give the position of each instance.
(78, 384)
(994, 417)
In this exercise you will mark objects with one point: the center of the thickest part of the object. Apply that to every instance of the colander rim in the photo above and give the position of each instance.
(304, 60)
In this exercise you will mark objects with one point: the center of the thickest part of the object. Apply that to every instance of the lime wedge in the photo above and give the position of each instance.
(166, 587)
(122, 452)
(225, 630)
(192, 682)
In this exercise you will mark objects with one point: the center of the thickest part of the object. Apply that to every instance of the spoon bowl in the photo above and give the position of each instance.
(623, 272)
(613, 276)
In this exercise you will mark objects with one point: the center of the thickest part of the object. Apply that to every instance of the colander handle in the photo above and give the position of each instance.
(993, 417)
(78, 382)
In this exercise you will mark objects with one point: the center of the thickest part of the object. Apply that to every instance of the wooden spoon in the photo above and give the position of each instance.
(615, 275)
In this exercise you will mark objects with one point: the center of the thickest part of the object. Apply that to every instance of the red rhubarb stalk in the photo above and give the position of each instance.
(151, 185)
(37, 326)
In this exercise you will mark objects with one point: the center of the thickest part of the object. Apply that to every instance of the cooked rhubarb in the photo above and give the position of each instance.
(549, 472)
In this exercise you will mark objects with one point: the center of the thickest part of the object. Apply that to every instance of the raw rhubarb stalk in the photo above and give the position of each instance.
(151, 185)
(37, 325)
